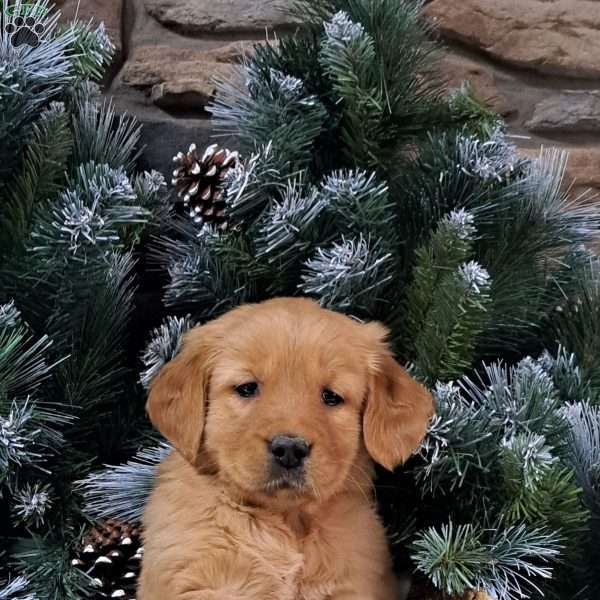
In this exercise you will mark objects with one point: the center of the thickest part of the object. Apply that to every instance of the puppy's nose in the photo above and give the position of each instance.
(289, 451)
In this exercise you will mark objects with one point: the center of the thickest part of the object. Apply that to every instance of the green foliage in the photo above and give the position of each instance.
(45, 564)
(273, 110)
(30, 425)
(72, 215)
(496, 451)
(41, 176)
(104, 137)
(29, 79)
(362, 69)
(552, 499)
(503, 562)
(478, 118)
(91, 50)
(575, 320)
(447, 300)
(350, 273)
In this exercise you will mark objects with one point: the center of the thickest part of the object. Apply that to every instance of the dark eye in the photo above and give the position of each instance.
(331, 398)
(247, 390)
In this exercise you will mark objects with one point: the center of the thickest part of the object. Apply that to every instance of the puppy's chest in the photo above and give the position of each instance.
(291, 563)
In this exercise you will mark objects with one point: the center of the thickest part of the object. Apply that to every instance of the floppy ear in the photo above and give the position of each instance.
(177, 399)
(397, 410)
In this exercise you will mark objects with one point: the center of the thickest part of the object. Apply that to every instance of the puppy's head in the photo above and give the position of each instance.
(283, 398)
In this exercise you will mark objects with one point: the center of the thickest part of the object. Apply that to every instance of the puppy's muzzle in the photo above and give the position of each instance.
(288, 451)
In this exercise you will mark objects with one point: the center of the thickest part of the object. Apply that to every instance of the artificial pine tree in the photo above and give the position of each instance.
(363, 185)
(72, 216)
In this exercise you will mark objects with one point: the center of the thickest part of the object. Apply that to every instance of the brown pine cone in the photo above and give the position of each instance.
(199, 181)
(111, 555)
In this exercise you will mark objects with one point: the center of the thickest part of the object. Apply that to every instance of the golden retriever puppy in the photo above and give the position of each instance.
(276, 411)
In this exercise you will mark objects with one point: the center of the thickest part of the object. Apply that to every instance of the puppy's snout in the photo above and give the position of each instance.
(289, 451)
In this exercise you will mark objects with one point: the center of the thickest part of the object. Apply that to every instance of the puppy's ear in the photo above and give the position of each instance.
(177, 399)
(398, 408)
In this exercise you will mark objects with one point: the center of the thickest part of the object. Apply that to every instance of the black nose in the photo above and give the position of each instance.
(289, 451)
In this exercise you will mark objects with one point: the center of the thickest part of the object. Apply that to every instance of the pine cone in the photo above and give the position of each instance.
(111, 555)
(200, 182)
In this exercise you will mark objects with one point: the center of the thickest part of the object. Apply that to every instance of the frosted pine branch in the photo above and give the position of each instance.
(584, 449)
(164, 345)
(16, 590)
(476, 279)
(287, 85)
(341, 30)
(9, 315)
(246, 186)
(462, 223)
(347, 273)
(530, 455)
(289, 225)
(505, 562)
(460, 441)
(31, 503)
(149, 188)
(492, 159)
(16, 438)
(122, 491)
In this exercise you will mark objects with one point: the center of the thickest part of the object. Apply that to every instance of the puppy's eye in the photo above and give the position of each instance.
(330, 398)
(247, 390)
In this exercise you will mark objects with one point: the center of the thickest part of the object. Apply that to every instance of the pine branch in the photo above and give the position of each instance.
(204, 278)
(121, 492)
(349, 274)
(509, 564)
(289, 228)
(538, 491)
(460, 448)
(566, 374)
(584, 450)
(348, 58)
(46, 565)
(91, 50)
(24, 364)
(164, 345)
(102, 136)
(575, 321)
(359, 204)
(526, 248)
(250, 185)
(29, 79)
(30, 426)
(16, 590)
(447, 300)
(41, 176)
(475, 444)
(272, 109)
(521, 397)
(475, 116)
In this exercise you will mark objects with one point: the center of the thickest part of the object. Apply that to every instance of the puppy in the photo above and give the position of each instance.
(276, 411)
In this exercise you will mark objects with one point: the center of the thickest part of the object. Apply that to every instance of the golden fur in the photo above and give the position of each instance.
(214, 527)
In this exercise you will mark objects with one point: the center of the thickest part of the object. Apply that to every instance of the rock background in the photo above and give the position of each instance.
(536, 61)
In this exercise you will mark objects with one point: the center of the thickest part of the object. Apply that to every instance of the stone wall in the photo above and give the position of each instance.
(536, 61)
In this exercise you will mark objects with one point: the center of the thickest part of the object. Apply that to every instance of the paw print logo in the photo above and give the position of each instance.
(24, 30)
